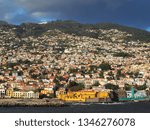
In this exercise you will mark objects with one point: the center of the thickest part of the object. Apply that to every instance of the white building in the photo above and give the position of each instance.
(2, 92)
(18, 94)
(31, 94)
(137, 94)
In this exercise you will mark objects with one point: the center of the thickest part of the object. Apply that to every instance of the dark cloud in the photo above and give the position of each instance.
(127, 12)
(6, 9)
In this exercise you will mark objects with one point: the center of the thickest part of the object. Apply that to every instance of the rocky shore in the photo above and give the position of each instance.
(31, 102)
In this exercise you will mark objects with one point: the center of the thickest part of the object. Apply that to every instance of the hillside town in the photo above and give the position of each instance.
(44, 66)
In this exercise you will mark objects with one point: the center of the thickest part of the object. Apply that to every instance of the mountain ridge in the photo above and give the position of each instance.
(79, 29)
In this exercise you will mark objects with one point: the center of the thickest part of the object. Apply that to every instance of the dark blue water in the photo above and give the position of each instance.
(139, 107)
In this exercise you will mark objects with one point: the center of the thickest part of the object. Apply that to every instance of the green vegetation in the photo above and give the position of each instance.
(73, 86)
(73, 70)
(105, 66)
(73, 27)
(137, 34)
(142, 87)
(123, 54)
(46, 96)
(111, 86)
(16, 89)
(57, 82)
(101, 74)
(120, 74)
(96, 84)
(128, 87)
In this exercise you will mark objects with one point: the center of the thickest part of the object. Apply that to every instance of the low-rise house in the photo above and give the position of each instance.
(87, 76)
(80, 80)
(129, 81)
(47, 91)
(19, 78)
(138, 94)
(121, 84)
(51, 79)
(140, 81)
(60, 91)
(148, 83)
(88, 83)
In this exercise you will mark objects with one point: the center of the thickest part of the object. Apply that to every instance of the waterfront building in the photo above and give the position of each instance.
(31, 94)
(83, 96)
(18, 94)
(2, 92)
(46, 91)
(26, 95)
(9, 93)
(140, 94)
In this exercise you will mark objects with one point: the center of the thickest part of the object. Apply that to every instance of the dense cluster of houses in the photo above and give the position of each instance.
(32, 66)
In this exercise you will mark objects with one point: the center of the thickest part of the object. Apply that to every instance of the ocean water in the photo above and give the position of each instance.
(137, 107)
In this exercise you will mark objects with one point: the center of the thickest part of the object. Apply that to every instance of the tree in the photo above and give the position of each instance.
(16, 89)
(73, 70)
(73, 86)
(111, 86)
(93, 67)
(105, 66)
(34, 76)
(120, 74)
(142, 87)
(111, 75)
(96, 83)
(101, 74)
(43, 96)
(127, 87)
(123, 54)
(57, 82)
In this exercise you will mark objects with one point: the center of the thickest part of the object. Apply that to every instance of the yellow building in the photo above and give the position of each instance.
(87, 94)
(83, 96)
(71, 96)
(103, 94)
(18, 94)
(9, 93)
(46, 92)
(60, 92)
(80, 96)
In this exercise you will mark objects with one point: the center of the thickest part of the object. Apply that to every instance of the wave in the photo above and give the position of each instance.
(83, 104)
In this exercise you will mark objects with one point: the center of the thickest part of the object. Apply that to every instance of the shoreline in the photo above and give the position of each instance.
(31, 103)
(54, 102)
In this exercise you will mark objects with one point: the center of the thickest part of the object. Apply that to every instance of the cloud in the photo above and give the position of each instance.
(45, 5)
(6, 9)
(128, 12)
(148, 29)
(82, 10)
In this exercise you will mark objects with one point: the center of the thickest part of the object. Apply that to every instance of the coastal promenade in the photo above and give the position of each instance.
(31, 102)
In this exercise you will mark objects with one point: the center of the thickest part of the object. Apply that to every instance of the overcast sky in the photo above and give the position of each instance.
(134, 13)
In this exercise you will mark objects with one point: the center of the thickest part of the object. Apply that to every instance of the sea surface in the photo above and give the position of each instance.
(132, 107)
